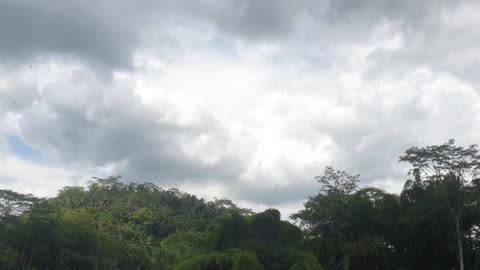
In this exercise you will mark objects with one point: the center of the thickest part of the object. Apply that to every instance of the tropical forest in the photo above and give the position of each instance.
(434, 223)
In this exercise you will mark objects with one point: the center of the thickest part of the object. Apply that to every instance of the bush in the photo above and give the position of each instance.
(246, 261)
(212, 261)
(304, 261)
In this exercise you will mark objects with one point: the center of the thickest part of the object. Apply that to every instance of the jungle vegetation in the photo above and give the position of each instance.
(434, 223)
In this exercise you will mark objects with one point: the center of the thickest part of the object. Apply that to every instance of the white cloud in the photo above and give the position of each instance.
(26, 177)
(239, 103)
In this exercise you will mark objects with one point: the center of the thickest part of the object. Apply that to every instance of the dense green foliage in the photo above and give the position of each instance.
(112, 225)
(434, 223)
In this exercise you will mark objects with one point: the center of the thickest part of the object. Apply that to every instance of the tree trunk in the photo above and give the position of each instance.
(21, 260)
(459, 242)
(33, 253)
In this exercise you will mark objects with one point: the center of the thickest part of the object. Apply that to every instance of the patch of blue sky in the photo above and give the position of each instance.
(23, 150)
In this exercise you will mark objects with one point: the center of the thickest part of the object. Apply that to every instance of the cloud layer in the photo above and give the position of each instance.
(249, 100)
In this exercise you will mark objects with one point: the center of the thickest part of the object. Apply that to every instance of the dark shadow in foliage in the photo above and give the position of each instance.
(266, 235)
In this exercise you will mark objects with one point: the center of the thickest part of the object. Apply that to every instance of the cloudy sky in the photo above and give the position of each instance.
(248, 99)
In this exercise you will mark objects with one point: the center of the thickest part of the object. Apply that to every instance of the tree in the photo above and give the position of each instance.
(423, 234)
(451, 168)
(337, 181)
(348, 227)
(13, 204)
(320, 210)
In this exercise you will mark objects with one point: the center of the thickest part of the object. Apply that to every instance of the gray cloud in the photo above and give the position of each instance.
(439, 48)
(86, 122)
(16, 95)
(294, 191)
(107, 35)
(410, 11)
(90, 31)
(254, 19)
(92, 124)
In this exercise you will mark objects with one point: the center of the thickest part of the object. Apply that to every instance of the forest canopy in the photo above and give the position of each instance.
(434, 223)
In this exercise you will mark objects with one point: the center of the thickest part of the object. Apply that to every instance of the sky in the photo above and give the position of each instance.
(247, 100)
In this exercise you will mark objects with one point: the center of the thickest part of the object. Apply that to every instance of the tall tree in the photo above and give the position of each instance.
(451, 168)
(348, 227)
(334, 181)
